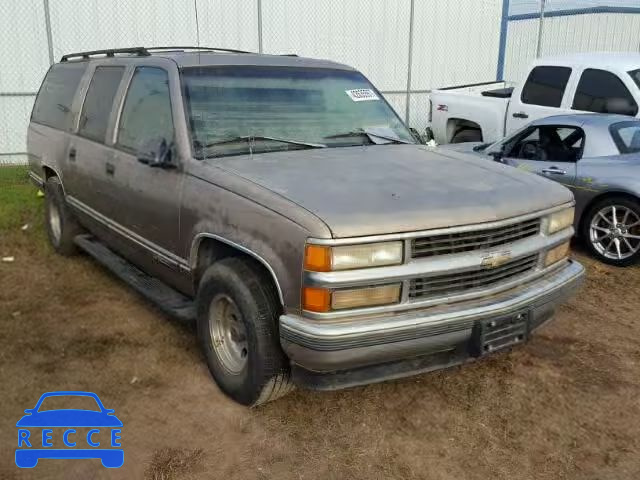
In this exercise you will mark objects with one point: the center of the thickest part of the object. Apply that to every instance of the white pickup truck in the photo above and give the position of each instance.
(589, 82)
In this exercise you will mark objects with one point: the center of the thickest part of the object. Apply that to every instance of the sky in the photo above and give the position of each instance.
(517, 7)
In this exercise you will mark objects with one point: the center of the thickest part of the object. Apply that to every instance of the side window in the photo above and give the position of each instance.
(626, 135)
(545, 86)
(603, 92)
(99, 102)
(549, 143)
(146, 114)
(53, 104)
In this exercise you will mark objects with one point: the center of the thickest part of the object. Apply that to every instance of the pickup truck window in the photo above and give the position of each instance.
(146, 114)
(297, 104)
(635, 74)
(545, 86)
(99, 101)
(548, 143)
(626, 135)
(600, 91)
(53, 104)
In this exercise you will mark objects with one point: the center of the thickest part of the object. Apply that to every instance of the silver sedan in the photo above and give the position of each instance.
(598, 158)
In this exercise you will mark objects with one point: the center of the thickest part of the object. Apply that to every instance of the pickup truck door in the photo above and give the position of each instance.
(548, 150)
(545, 93)
(148, 200)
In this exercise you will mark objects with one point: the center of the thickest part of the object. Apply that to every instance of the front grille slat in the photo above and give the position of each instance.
(475, 240)
(482, 277)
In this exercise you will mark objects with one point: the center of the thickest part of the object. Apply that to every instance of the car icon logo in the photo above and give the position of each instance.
(77, 433)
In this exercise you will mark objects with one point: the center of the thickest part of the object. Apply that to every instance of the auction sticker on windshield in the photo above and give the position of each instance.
(362, 94)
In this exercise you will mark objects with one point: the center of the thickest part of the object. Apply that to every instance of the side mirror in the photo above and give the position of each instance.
(497, 156)
(157, 152)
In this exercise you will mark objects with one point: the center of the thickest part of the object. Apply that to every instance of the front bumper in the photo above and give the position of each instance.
(340, 353)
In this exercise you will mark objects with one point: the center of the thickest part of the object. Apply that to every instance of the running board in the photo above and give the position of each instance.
(167, 299)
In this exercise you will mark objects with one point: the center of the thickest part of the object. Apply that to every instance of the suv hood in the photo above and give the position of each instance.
(383, 189)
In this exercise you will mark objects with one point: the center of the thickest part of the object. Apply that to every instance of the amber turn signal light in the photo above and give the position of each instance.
(317, 258)
(316, 299)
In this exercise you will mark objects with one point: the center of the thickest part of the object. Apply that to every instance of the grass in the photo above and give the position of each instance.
(19, 202)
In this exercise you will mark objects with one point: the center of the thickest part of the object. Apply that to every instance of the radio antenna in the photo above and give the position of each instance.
(195, 7)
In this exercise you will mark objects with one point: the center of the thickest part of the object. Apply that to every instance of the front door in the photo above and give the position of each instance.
(548, 150)
(149, 197)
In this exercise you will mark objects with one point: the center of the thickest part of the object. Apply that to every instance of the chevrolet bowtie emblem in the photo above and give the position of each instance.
(495, 259)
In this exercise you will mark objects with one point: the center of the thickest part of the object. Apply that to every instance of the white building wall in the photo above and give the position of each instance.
(569, 34)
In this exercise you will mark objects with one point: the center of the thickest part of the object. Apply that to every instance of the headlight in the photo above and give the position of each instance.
(323, 300)
(321, 258)
(556, 254)
(560, 220)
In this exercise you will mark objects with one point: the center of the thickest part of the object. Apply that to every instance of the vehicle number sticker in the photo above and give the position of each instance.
(362, 94)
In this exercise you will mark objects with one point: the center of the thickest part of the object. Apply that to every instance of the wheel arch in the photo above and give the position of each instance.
(207, 248)
(455, 125)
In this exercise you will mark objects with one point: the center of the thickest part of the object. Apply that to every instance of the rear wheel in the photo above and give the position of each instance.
(611, 229)
(467, 135)
(238, 314)
(60, 224)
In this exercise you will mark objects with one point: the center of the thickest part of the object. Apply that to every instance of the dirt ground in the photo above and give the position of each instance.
(564, 406)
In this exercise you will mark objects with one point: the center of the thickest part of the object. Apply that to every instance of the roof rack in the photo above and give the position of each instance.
(207, 49)
(111, 52)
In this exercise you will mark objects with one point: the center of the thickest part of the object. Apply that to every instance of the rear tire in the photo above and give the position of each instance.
(467, 135)
(601, 233)
(238, 312)
(60, 223)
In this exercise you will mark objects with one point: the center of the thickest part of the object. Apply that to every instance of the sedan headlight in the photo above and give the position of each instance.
(322, 258)
(560, 220)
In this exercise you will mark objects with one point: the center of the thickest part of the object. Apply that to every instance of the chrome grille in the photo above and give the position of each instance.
(473, 240)
(481, 277)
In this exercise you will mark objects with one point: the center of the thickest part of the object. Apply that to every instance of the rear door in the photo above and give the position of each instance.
(542, 95)
(87, 150)
(548, 150)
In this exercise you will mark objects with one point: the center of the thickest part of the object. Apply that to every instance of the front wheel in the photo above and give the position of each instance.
(238, 314)
(611, 229)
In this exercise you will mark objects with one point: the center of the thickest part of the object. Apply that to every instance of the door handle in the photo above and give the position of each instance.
(72, 154)
(520, 115)
(554, 171)
(110, 168)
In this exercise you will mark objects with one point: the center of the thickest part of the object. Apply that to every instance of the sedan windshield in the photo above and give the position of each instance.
(235, 110)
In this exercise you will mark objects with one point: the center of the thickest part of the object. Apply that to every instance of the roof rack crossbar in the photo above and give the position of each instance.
(111, 52)
(207, 49)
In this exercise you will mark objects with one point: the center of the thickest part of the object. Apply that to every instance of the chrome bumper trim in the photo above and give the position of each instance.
(347, 343)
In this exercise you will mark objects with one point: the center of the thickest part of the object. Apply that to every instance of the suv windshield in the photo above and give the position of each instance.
(265, 109)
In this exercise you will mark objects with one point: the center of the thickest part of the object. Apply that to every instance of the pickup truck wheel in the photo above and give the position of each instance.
(60, 224)
(238, 314)
(467, 135)
(611, 229)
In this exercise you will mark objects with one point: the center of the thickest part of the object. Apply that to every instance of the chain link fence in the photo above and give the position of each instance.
(405, 47)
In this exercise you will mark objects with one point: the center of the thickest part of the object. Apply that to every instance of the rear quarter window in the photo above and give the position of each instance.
(626, 136)
(600, 91)
(53, 103)
(545, 86)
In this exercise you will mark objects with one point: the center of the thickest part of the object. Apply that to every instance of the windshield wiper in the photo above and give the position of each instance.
(369, 134)
(250, 139)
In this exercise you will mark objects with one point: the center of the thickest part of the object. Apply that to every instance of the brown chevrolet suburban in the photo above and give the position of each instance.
(282, 203)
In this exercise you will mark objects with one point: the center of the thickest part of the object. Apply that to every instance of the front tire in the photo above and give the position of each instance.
(238, 312)
(611, 230)
(60, 224)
